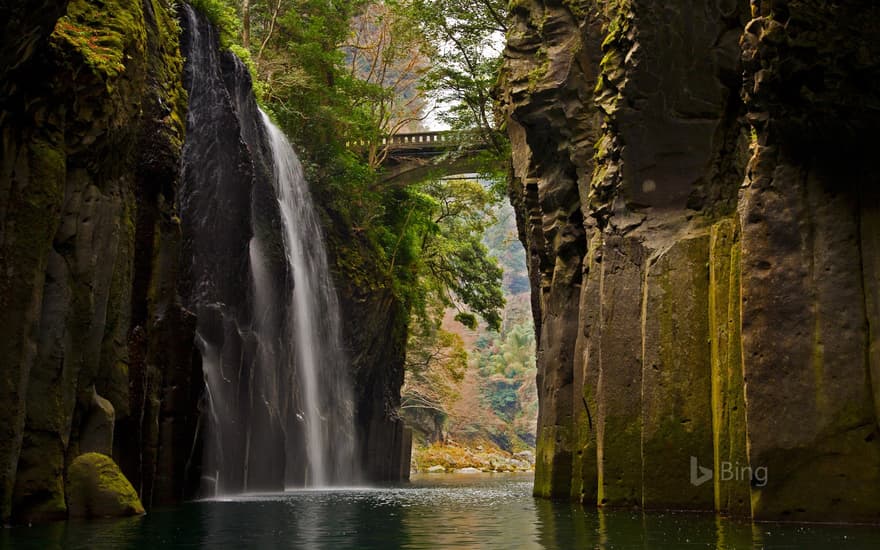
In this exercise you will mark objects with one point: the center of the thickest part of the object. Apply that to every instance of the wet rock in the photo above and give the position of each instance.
(97, 431)
(88, 177)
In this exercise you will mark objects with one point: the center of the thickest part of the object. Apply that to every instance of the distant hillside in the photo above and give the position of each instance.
(495, 398)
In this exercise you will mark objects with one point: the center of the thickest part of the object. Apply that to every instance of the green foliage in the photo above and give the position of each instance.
(222, 14)
(467, 319)
(507, 364)
(308, 88)
(466, 68)
(502, 396)
(440, 239)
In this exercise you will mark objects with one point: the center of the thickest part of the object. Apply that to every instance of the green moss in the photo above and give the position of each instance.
(614, 45)
(578, 8)
(47, 162)
(540, 71)
(676, 383)
(553, 462)
(104, 32)
(165, 69)
(96, 487)
(546, 448)
(728, 401)
(620, 470)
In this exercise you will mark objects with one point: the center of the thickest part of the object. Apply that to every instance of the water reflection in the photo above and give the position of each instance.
(433, 512)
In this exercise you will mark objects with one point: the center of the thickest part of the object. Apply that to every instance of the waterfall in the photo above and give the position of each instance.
(278, 406)
(314, 314)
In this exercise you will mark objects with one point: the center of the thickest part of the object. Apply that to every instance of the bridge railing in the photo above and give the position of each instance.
(416, 140)
(422, 139)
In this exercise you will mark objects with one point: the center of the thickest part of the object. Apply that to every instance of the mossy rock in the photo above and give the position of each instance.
(96, 487)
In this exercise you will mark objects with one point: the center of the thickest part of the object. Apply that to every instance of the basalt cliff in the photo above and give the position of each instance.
(694, 187)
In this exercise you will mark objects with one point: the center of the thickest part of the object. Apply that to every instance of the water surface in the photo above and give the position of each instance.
(434, 511)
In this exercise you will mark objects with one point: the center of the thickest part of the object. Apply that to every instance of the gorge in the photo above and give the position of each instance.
(181, 292)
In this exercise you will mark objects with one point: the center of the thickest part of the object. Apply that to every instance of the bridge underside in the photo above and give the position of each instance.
(412, 169)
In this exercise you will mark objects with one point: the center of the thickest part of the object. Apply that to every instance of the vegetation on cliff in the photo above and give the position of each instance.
(341, 76)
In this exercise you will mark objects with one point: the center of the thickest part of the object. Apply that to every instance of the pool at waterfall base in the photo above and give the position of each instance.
(432, 511)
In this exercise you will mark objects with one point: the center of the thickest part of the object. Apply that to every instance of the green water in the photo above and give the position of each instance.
(455, 511)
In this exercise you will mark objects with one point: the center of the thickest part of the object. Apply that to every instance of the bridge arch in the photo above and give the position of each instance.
(417, 156)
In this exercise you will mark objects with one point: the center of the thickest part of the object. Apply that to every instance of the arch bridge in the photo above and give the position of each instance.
(417, 155)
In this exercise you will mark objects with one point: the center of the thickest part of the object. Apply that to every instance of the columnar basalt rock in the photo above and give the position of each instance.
(88, 235)
(693, 191)
(99, 353)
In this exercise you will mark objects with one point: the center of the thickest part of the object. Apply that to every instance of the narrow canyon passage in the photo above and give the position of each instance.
(439, 273)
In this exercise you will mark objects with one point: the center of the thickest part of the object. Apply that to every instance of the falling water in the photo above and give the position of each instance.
(314, 311)
(278, 406)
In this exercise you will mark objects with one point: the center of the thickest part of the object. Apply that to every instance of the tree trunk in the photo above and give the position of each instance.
(246, 24)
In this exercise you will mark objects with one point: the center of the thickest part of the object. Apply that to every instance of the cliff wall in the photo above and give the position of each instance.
(693, 188)
(92, 336)
(99, 275)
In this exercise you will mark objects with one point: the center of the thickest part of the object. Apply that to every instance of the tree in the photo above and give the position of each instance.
(470, 37)
(435, 366)
(388, 56)
(451, 266)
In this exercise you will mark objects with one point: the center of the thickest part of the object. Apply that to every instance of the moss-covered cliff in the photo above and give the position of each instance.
(91, 334)
(98, 354)
(693, 187)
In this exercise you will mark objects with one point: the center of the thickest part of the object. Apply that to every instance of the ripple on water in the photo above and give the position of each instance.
(436, 511)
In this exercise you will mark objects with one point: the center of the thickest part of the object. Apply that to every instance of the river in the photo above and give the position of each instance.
(433, 511)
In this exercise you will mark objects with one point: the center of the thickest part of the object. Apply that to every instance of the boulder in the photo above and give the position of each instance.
(96, 487)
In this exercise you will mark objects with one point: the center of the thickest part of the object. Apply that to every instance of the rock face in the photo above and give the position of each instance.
(227, 184)
(91, 333)
(96, 488)
(375, 328)
(694, 190)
